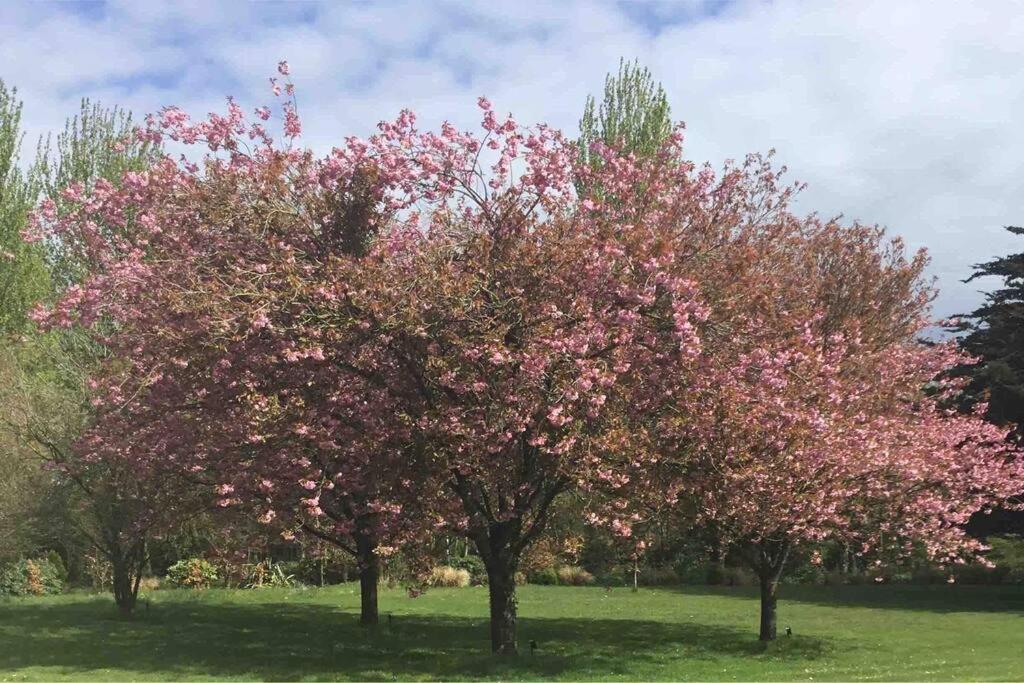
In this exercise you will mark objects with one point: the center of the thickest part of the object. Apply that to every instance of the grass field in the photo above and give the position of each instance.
(863, 632)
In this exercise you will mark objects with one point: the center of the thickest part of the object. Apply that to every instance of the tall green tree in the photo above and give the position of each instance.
(633, 116)
(43, 405)
(23, 274)
(994, 334)
(23, 280)
(98, 142)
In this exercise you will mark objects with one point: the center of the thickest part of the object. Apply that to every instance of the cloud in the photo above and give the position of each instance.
(894, 113)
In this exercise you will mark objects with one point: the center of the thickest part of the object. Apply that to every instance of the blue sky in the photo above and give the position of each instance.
(899, 113)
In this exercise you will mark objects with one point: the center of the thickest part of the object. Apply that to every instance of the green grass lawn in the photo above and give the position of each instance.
(864, 632)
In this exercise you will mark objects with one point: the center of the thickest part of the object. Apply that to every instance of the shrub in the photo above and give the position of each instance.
(268, 574)
(149, 584)
(543, 577)
(574, 576)
(926, 575)
(57, 562)
(99, 571)
(805, 573)
(738, 576)
(714, 574)
(328, 570)
(836, 578)
(1008, 555)
(474, 565)
(974, 574)
(192, 573)
(658, 576)
(37, 576)
(538, 558)
(448, 577)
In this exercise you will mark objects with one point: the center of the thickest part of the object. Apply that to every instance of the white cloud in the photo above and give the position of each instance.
(896, 113)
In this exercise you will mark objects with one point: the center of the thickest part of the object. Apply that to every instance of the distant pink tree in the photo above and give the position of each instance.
(820, 417)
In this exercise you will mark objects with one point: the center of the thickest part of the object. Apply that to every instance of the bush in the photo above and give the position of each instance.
(927, 575)
(37, 576)
(836, 578)
(448, 577)
(805, 573)
(268, 574)
(714, 574)
(539, 558)
(333, 568)
(658, 576)
(543, 577)
(149, 583)
(975, 574)
(1008, 555)
(738, 576)
(99, 571)
(192, 573)
(474, 565)
(59, 568)
(574, 576)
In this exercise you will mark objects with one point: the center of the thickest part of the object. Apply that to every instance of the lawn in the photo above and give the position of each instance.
(854, 632)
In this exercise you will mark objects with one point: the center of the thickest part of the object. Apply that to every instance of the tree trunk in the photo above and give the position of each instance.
(125, 586)
(501, 585)
(769, 598)
(369, 577)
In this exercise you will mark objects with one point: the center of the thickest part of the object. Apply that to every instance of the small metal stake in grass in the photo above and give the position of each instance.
(533, 647)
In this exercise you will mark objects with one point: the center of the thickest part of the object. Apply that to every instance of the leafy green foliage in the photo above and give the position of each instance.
(472, 564)
(43, 407)
(23, 275)
(36, 576)
(1008, 556)
(192, 573)
(97, 143)
(268, 574)
(634, 115)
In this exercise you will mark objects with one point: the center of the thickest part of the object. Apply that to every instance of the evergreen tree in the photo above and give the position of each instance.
(994, 333)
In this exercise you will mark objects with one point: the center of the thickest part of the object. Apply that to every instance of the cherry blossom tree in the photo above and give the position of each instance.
(822, 419)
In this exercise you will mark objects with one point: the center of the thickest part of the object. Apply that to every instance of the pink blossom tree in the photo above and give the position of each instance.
(820, 418)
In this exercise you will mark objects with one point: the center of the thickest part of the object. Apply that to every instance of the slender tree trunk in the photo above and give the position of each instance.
(769, 566)
(125, 586)
(369, 577)
(501, 585)
(769, 600)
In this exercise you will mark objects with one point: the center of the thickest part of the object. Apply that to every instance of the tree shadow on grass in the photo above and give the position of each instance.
(934, 598)
(283, 641)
